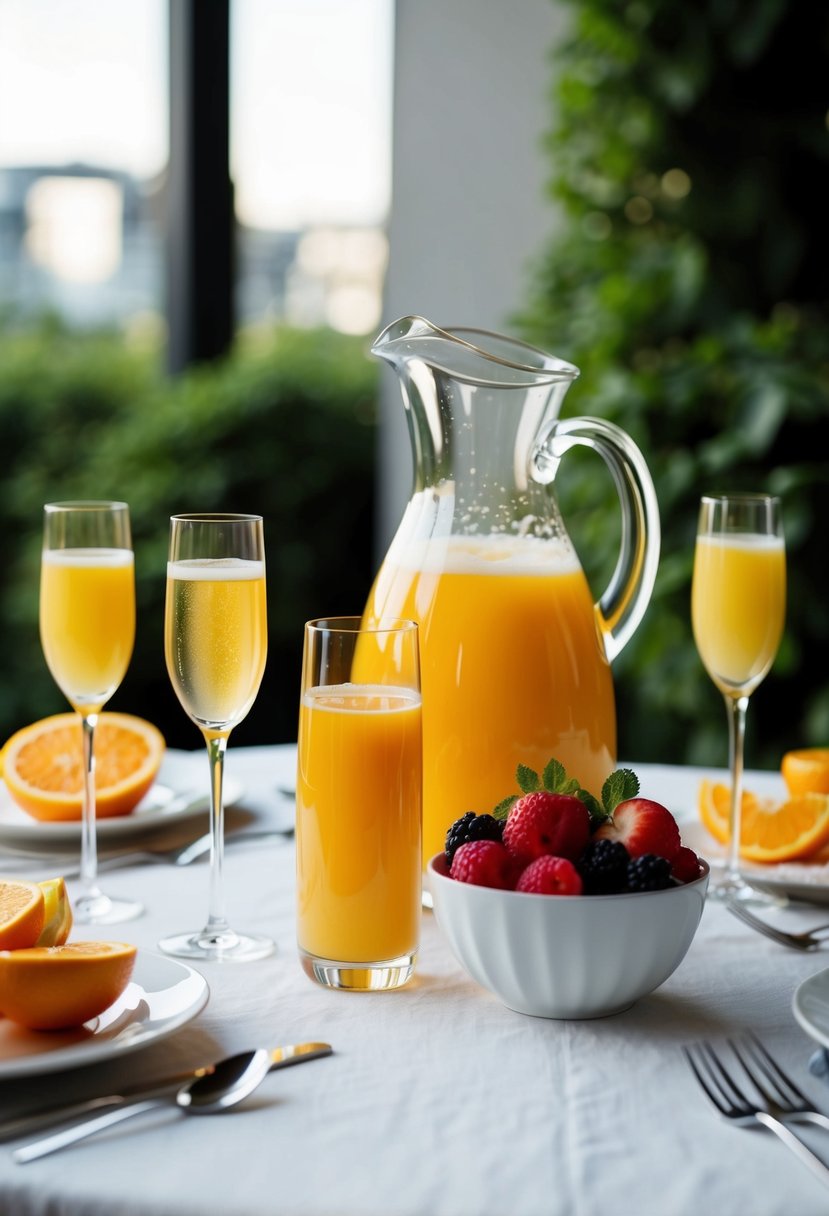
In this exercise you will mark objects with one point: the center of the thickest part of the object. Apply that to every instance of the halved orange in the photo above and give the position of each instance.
(22, 913)
(806, 771)
(53, 987)
(770, 830)
(43, 765)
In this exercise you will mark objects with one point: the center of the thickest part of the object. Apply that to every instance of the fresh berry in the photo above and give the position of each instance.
(643, 826)
(550, 876)
(603, 866)
(471, 827)
(485, 863)
(648, 873)
(543, 823)
(685, 866)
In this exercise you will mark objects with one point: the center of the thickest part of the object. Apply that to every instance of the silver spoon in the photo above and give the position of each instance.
(232, 1080)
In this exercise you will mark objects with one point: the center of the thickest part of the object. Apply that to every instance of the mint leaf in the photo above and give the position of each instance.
(527, 779)
(555, 778)
(597, 811)
(503, 808)
(620, 786)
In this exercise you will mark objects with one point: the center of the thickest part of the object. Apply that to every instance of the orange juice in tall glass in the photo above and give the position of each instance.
(359, 789)
(513, 668)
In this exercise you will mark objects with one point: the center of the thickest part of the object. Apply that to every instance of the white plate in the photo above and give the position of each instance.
(678, 789)
(180, 794)
(810, 1005)
(798, 880)
(162, 996)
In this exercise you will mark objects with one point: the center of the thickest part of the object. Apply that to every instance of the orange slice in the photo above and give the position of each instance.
(806, 771)
(43, 765)
(769, 830)
(57, 920)
(53, 987)
(22, 913)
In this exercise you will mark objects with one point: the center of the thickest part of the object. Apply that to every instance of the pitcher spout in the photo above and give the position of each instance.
(474, 356)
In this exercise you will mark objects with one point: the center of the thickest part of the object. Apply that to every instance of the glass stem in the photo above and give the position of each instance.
(89, 848)
(217, 919)
(736, 708)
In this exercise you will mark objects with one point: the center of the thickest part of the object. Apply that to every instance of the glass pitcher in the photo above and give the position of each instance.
(515, 656)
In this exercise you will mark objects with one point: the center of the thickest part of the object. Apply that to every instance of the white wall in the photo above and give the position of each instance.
(469, 212)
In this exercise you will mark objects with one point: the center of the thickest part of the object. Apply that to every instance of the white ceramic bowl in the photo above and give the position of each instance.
(567, 956)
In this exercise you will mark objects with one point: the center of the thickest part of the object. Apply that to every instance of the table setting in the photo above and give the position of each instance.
(454, 958)
(439, 1070)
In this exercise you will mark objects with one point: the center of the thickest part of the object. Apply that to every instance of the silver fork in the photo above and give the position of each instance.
(745, 1110)
(810, 939)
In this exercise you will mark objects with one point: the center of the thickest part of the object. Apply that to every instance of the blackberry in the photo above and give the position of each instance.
(472, 827)
(603, 866)
(648, 873)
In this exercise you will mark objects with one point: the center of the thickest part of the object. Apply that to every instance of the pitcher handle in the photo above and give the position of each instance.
(623, 604)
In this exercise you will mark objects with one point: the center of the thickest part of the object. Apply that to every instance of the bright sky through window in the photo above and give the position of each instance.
(311, 111)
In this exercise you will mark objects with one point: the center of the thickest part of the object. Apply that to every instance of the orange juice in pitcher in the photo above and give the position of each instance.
(515, 655)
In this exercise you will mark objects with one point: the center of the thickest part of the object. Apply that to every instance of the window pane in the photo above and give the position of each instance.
(311, 88)
(83, 146)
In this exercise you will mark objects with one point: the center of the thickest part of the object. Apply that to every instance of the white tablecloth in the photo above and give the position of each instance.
(439, 1101)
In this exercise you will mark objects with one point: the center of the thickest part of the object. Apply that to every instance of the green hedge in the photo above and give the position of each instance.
(284, 427)
(687, 281)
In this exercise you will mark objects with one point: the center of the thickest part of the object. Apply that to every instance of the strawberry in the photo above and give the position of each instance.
(550, 876)
(485, 863)
(542, 823)
(642, 826)
(685, 866)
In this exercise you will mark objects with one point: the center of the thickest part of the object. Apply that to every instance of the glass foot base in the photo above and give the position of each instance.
(731, 889)
(359, 977)
(225, 947)
(99, 909)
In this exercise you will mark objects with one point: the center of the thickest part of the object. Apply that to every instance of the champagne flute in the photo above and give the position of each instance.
(215, 642)
(738, 605)
(87, 631)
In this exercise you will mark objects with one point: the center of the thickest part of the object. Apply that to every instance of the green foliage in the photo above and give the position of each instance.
(284, 427)
(687, 281)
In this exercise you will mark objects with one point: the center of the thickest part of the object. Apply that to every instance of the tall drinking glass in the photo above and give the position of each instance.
(359, 804)
(87, 631)
(738, 605)
(215, 642)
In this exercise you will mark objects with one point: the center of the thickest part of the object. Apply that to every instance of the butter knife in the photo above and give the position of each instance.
(39, 1120)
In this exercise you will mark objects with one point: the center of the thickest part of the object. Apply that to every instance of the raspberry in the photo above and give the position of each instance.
(603, 866)
(643, 826)
(485, 863)
(685, 866)
(544, 823)
(648, 873)
(471, 827)
(549, 875)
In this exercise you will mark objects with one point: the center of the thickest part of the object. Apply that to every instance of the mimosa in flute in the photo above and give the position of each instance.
(738, 604)
(87, 630)
(215, 641)
(359, 787)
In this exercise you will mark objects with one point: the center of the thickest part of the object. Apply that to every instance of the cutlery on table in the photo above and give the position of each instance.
(36, 1121)
(181, 855)
(810, 939)
(228, 1084)
(772, 1101)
